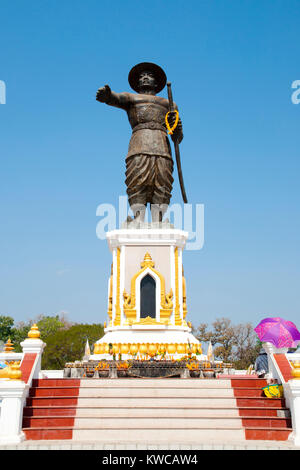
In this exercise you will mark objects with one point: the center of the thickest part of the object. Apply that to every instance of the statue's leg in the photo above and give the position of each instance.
(138, 211)
(162, 188)
(140, 172)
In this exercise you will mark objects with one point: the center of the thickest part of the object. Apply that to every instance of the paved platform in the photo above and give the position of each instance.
(77, 445)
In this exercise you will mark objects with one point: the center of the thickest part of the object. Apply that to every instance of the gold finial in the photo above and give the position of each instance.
(147, 261)
(34, 332)
(9, 346)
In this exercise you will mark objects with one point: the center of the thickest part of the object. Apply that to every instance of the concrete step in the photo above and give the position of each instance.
(141, 422)
(104, 411)
(154, 436)
(135, 402)
(131, 392)
(135, 423)
(154, 383)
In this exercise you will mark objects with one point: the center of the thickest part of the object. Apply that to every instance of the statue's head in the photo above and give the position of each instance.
(147, 83)
(147, 78)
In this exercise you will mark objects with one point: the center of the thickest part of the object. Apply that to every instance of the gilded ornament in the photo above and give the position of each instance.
(9, 346)
(152, 349)
(171, 348)
(181, 348)
(133, 348)
(15, 373)
(143, 348)
(124, 349)
(296, 369)
(34, 332)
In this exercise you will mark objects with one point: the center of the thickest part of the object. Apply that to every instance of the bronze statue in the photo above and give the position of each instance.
(149, 164)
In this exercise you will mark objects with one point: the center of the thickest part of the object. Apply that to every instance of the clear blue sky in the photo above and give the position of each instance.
(232, 64)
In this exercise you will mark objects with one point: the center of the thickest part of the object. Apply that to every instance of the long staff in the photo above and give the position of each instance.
(176, 146)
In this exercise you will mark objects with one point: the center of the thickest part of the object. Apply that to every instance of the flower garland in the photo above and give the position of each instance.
(171, 129)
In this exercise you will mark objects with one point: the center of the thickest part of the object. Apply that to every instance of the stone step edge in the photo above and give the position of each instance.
(42, 397)
(144, 388)
(76, 407)
(61, 428)
(170, 418)
(160, 417)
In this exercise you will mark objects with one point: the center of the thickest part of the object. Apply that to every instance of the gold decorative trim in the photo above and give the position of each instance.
(178, 320)
(148, 321)
(184, 295)
(150, 349)
(129, 305)
(117, 321)
(110, 294)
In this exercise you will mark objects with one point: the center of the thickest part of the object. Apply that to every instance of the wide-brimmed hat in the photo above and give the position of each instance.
(156, 70)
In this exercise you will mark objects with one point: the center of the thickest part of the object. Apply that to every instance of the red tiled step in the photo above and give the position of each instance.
(260, 402)
(266, 422)
(51, 401)
(267, 434)
(49, 411)
(260, 411)
(53, 433)
(56, 382)
(248, 382)
(62, 421)
(48, 422)
(248, 392)
(54, 391)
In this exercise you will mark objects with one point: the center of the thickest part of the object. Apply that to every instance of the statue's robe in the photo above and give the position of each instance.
(149, 164)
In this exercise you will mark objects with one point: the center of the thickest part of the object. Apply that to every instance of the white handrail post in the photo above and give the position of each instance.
(12, 396)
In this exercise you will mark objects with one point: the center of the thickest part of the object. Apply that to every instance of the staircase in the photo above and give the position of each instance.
(154, 411)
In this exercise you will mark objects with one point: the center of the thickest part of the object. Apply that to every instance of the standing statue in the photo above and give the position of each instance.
(149, 164)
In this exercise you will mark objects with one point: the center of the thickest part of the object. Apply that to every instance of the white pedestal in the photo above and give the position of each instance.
(154, 255)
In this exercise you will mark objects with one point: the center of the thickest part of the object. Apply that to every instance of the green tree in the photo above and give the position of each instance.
(47, 325)
(6, 328)
(67, 345)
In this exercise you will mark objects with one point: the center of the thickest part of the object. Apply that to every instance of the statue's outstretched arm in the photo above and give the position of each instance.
(106, 95)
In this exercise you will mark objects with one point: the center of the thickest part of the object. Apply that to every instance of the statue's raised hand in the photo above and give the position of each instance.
(103, 94)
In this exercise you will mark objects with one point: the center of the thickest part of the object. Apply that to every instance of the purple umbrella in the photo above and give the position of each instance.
(280, 332)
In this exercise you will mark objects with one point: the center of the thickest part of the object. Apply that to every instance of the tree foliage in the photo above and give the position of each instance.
(6, 327)
(65, 341)
(67, 345)
(237, 344)
(47, 325)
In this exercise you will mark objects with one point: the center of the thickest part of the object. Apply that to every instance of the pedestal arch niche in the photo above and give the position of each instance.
(148, 297)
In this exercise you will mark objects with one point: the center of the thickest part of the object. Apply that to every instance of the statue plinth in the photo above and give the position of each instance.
(147, 294)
